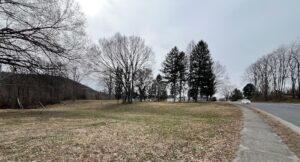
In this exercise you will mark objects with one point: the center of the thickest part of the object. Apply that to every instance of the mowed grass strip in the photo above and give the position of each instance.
(107, 131)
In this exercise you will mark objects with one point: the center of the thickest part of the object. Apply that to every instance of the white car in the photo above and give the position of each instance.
(245, 101)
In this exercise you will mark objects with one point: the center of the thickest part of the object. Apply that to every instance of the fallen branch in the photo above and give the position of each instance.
(42, 107)
(20, 104)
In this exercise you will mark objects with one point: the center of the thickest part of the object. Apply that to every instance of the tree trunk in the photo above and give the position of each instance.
(73, 91)
(158, 92)
(180, 89)
(299, 88)
(196, 95)
(174, 91)
(129, 94)
(293, 89)
(298, 68)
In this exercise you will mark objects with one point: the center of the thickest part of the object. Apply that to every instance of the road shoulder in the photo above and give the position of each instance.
(293, 127)
(289, 136)
(259, 143)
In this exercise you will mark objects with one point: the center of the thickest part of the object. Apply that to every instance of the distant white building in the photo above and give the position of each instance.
(185, 99)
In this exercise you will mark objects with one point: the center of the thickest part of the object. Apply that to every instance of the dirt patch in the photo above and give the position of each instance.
(288, 136)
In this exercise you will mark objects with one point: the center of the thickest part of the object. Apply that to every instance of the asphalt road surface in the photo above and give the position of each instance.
(285, 111)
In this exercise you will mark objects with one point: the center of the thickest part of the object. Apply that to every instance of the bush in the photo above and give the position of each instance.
(214, 99)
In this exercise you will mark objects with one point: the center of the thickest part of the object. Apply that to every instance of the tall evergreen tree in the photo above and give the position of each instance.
(158, 89)
(236, 94)
(170, 70)
(211, 82)
(249, 90)
(159, 86)
(208, 85)
(189, 50)
(152, 91)
(202, 78)
(118, 84)
(182, 72)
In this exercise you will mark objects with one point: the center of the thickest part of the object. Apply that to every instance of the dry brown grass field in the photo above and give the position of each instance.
(107, 131)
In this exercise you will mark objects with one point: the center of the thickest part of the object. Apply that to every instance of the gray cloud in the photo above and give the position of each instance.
(237, 31)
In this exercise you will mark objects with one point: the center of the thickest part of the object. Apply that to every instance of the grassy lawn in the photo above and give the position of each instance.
(106, 131)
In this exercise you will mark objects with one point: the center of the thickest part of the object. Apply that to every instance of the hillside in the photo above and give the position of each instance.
(33, 89)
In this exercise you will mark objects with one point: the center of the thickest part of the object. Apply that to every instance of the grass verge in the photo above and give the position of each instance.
(106, 131)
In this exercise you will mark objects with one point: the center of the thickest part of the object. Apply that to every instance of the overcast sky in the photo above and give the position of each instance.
(237, 31)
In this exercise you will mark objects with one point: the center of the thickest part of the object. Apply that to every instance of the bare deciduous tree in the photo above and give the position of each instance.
(293, 64)
(276, 72)
(39, 34)
(295, 52)
(130, 54)
(226, 90)
(221, 74)
(108, 80)
(144, 80)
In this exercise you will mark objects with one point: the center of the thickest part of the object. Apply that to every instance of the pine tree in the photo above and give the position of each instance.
(152, 91)
(118, 84)
(211, 82)
(170, 70)
(208, 85)
(158, 89)
(182, 72)
(159, 86)
(202, 78)
(236, 95)
(189, 50)
(249, 90)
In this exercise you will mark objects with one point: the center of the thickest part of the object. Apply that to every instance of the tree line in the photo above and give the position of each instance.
(191, 73)
(48, 38)
(40, 36)
(43, 37)
(124, 64)
(45, 40)
(31, 90)
(277, 74)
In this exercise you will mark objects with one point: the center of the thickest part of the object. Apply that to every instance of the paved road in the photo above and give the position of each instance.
(285, 111)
